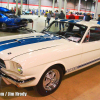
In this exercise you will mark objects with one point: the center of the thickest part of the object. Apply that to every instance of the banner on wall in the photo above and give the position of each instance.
(19, 1)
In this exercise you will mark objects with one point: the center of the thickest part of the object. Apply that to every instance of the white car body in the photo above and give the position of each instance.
(36, 58)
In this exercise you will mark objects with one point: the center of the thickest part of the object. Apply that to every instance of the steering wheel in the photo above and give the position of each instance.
(77, 34)
(68, 34)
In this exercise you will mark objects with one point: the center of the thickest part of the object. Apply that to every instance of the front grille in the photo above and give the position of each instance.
(2, 64)
(21, 23)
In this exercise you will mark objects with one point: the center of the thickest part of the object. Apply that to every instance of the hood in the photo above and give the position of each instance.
(2, 9)
(16, 20)
(13, 47)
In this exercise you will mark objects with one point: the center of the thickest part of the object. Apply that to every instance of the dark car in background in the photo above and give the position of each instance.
(9, 20)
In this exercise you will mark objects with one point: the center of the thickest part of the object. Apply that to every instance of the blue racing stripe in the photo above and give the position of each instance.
(74, 21)
(12, 40)
(64, 20)
(88, 63)
(69, 20)
(80, 66)
(25, 41)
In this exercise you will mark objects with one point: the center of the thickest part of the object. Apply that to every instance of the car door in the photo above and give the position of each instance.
(91, 46)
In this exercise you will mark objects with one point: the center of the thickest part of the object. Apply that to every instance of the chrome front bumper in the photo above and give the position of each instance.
(14, 80)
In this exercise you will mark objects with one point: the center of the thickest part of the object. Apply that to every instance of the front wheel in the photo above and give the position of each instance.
(3, 26)
(50, 81)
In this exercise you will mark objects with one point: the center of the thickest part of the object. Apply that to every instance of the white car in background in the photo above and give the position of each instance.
(41, 59)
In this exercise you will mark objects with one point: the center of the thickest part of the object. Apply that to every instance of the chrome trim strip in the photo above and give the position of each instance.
(17, 81)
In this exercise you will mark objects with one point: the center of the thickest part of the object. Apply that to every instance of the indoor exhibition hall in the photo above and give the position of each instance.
(49, 49)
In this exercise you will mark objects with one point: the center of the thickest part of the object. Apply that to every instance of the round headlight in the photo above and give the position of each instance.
(19, 69)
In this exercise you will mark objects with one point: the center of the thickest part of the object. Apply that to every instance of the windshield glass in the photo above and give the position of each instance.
(71, 31)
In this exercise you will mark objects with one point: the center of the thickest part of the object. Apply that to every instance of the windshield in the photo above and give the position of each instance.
(71, 31)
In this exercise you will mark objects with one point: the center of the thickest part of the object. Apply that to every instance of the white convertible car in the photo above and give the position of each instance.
(41, 59)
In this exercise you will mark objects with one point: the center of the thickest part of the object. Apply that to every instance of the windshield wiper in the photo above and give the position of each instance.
(45, 32)
(60, 36)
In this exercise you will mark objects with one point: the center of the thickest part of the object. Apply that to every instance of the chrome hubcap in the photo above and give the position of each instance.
(3, 26)
(51, 80)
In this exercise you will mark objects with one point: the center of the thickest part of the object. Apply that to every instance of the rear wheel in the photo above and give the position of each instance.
(3, 26)
(50, 81)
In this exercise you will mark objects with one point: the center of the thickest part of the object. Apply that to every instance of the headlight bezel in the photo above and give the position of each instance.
(18, 68)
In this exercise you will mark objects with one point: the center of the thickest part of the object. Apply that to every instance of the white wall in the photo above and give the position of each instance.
(98, 10)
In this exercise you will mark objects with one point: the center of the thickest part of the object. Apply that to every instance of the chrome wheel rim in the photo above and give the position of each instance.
(3, 26)
(51, 80)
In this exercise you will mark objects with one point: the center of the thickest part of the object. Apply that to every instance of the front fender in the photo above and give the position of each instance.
(38, 71)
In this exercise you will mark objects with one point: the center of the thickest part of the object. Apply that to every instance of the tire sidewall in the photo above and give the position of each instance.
(40, 87)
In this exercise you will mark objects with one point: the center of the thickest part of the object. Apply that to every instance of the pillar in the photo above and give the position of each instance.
(28, 4)
(39, 8)
(16, 7)
(21, 6)
(53, 6)
(65, 6)
(8, 4)
(60, 5)
(97, 9)
(79, 5)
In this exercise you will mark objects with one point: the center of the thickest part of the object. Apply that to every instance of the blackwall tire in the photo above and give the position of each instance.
(50, 81)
